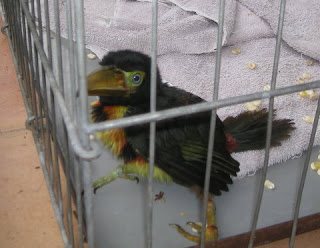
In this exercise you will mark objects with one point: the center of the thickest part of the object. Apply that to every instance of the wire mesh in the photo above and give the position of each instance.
(54, 102)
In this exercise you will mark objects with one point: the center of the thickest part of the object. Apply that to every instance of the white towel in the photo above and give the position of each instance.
(187, 42)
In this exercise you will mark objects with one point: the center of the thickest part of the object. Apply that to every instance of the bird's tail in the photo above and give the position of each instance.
(248, 131)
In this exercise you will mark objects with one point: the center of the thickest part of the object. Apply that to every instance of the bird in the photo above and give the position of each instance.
(123, 83)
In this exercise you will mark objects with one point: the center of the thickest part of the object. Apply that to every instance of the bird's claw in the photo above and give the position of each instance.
(95, 189)
(136, 179)
(97, 185)
(197, 227)
(175, 226)
(211, 232)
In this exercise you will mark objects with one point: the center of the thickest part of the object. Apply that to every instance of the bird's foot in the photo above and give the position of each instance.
(211, 230)
(110, 177)
(210, 235)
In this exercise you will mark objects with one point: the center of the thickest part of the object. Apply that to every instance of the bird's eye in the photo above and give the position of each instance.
(134, 78)
(137, 78)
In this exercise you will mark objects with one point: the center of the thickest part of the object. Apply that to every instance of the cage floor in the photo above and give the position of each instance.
(27, 218)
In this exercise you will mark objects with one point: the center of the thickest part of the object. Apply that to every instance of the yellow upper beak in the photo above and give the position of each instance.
(107, 82)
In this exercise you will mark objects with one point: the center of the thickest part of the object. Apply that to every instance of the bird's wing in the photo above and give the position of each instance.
(181, 151)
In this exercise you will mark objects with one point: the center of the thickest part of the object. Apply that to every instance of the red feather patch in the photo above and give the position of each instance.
(231, 143)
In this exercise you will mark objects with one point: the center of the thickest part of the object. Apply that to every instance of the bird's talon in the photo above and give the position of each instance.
(174, 226)
(137, 179)
(190, 223)
(196, 227)
(210, 229)
(95, 189)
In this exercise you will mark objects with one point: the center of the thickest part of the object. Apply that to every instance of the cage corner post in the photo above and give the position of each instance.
(83, 118)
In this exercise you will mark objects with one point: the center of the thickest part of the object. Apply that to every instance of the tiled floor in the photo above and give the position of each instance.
(26, 215)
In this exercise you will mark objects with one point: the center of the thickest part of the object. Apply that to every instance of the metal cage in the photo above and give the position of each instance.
(57, 107)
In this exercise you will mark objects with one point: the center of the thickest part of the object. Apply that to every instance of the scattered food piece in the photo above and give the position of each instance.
(91, 56)
(254, 105)
(319, 157)
(314, 96)
(315, 165)
(300, 80)
(310, 63)
(252, 66)
(318, 172)
(308, 119)
(236, 51)
(91, 137)
(159, 197)
(182, 213)
(303, 94)
(266, 87)
(306, 75)
(251, 107)
(309, 92)
(37, 167)
(269, 185)
(257, 103)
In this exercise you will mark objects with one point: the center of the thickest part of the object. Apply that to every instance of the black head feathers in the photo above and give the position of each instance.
(129, 61)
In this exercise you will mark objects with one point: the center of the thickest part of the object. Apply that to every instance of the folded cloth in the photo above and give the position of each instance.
(300, 24)
(187, 34)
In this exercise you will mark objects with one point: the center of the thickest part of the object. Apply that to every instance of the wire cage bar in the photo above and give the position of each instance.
(57, 108)
(270, 118)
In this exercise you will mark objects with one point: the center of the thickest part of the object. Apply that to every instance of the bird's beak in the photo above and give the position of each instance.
(107, 82)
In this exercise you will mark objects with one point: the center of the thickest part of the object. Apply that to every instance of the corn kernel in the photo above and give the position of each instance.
(300, 80)
(308, 119)
(91, 137)
(314, 96)
(309, 92)
(182, 213)
(303, 94)
(266, 87)
(257, 103)
(252, 66)
(306, 75)
(236, 51)
(315, 165)
(269, 185)
(310, 63)
(91, 56)
(251, 107)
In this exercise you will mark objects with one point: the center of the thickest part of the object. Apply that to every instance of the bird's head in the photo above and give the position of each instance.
(124, 76)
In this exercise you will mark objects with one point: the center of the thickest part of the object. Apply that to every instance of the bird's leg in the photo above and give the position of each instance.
(113, 175)
(211, 230)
